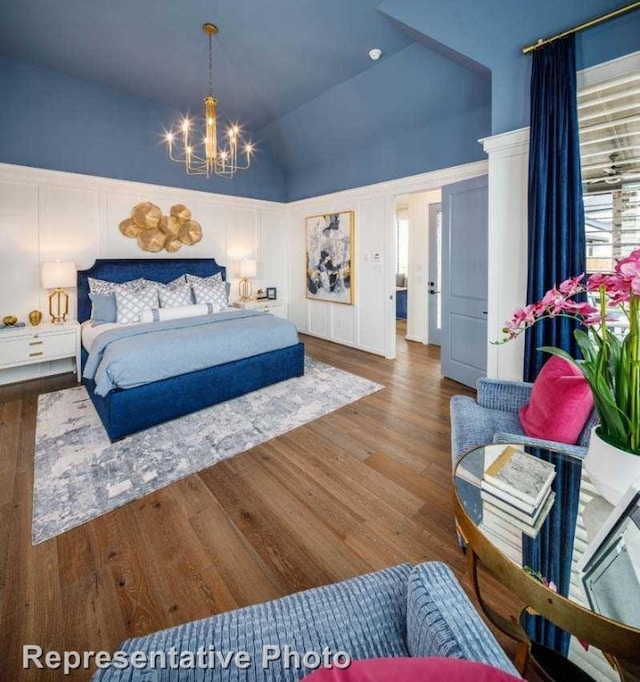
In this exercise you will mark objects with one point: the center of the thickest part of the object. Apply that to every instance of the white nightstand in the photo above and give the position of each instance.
(277, 308)
(31, 345)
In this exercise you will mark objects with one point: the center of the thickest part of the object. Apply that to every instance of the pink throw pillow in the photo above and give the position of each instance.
(560, 403)
(412, 670)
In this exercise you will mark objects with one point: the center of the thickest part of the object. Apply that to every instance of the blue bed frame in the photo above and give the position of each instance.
(126, 411)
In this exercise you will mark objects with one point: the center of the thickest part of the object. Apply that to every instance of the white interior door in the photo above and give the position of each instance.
(434, 279)
(464, 280)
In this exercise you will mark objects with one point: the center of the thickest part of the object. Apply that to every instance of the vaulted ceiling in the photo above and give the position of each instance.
(269, 57)
(295, 73)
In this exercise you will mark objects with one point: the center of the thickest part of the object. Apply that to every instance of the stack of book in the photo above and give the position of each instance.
(517, 496)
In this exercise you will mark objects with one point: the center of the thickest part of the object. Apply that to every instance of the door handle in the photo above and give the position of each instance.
(433, 292)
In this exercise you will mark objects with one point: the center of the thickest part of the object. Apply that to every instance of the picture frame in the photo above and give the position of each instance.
(271, 293)
(329, 257)
(610, 566)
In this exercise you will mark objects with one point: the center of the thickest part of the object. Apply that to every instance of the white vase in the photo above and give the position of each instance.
(610, 469)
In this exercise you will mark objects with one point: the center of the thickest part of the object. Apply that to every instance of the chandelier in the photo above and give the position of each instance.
(200, 151)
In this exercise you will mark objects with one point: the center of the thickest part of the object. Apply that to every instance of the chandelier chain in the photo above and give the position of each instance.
(210, 68)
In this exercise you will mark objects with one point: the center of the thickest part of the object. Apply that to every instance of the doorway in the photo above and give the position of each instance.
(418, 241)
(434, 315)
(402, 263)
(446, 280)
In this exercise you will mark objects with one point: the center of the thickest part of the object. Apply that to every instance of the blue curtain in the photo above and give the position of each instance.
(556, 216)
(550, 552)
(557, 250)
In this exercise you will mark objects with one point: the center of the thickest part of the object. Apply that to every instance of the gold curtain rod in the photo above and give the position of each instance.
(582, 27)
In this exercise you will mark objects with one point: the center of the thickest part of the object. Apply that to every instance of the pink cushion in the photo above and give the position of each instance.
(412, 670)
(560, 403)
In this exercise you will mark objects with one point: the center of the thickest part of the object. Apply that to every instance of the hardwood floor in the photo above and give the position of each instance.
(365, 487)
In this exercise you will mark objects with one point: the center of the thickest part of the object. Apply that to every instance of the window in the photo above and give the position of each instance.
(609, 115)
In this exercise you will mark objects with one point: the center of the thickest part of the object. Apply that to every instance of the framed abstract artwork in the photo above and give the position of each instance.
(329, 243)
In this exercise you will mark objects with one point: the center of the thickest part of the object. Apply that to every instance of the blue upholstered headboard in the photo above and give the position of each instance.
(123, 269)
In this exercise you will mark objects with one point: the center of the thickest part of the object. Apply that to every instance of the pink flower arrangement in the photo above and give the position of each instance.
(611, 364)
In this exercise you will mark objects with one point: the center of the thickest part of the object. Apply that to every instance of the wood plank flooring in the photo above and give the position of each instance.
(365, 487)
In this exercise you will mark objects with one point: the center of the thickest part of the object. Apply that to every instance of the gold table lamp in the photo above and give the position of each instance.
(247, 269)
(57, 275)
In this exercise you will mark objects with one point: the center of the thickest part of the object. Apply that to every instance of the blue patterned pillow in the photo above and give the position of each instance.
(173, 297)
(208, 280)
(102, 286)
(214, 293)
(173, 284)
(131, 304)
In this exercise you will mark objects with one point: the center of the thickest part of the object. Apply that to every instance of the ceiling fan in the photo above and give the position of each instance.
(613, 174)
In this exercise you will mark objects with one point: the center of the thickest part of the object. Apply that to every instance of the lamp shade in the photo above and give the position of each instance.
(57, 274)
(247, 268)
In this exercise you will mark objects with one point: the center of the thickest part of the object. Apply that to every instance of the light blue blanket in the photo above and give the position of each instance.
(133, 355)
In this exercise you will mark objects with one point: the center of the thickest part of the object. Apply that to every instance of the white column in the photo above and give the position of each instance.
(507, 243)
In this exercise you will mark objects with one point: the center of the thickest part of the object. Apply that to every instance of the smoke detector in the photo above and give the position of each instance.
(375, 54)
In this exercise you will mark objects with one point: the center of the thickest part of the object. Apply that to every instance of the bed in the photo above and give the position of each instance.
(126, 411)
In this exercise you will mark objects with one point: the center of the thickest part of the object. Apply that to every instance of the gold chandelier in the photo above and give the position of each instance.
(201, 153)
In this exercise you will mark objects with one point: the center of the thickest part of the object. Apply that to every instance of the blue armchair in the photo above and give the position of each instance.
(398, 611)
(493, 418)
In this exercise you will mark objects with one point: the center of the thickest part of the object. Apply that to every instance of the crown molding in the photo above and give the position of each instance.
(407, 185)
(506, 141)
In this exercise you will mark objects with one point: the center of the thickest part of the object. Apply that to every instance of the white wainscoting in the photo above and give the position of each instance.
(363, 324)
(370, 323)
(47, 215)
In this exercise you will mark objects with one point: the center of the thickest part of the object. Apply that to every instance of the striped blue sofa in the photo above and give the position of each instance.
(398, 611)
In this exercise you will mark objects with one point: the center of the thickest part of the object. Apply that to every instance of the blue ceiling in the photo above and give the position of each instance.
(295, 73)
(492, 32)
(269, 57)
(420, 88)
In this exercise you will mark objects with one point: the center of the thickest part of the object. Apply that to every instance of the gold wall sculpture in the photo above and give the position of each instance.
(155, 232)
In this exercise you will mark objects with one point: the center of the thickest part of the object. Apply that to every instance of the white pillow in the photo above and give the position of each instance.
(162, 314)
(130, 304)
(214, 292)
(172, 297)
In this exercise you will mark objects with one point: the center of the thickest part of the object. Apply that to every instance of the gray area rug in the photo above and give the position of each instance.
(80, 475)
